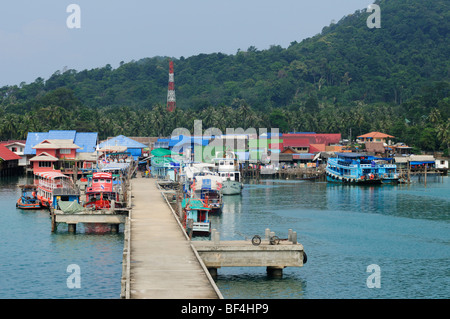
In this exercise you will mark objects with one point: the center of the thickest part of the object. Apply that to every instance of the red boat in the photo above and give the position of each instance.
(101, 192)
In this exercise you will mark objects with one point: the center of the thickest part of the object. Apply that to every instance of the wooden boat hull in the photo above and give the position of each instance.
(342, 180)
(21, 205)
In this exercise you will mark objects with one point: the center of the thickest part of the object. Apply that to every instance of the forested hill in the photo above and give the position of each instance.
(393, 79)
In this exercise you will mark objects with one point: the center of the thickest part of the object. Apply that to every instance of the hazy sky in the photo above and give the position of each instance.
(35, 40)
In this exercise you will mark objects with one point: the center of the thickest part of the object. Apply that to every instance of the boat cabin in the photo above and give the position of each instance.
(101, 191)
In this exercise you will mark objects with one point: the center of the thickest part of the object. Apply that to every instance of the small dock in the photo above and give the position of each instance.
(242, 253)
(159, 260)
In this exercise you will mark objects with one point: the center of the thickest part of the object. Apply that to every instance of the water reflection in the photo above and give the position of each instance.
(253, 283)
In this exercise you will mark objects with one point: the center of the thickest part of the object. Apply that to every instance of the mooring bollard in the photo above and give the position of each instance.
(290, 235)
(267, 233)
(216, 238)
(294, 237)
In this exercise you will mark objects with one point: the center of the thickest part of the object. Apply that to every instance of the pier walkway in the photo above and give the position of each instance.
(162, 262)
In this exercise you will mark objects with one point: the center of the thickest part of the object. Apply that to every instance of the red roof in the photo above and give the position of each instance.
(12, 142)
(7, 155)
(295, 142)
(375, 135)
(315, 148)
(326, 139)
(277, 146)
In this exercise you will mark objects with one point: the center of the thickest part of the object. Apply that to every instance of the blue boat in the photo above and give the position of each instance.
(356, 168)
(28, 199)
(198, 211)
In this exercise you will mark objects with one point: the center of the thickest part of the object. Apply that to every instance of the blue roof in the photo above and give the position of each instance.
(34, 138)
(181, 140)
(122, 140)
(62, 135)
(86, 141)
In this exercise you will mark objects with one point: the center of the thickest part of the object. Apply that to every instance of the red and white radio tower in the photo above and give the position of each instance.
(171, 101)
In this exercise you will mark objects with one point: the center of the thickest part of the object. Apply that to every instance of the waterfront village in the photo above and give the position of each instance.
(300, 154)
(208, 166)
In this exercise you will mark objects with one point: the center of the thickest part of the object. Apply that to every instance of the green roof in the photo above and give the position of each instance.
(193, 204)
(161, 152)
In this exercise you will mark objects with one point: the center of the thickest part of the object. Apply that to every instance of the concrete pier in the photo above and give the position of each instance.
(216, 254)
(161, 262)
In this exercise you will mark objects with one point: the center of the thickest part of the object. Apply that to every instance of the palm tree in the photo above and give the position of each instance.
(443, 133)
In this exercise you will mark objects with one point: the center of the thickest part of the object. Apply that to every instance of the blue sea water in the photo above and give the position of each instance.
(404, 229)
(35, 263)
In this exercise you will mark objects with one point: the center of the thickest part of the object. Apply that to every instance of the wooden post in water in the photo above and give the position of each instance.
(409, 172)
(52, 214)
(425, 177)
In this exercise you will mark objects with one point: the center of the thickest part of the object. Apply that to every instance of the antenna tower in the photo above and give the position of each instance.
(171, 100)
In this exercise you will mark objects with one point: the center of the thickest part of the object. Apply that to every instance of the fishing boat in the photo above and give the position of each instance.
(228, 169)
(198, 211)
(47, 182)
(208, 188)
(101, 193)
(356, 168)
(28, 199)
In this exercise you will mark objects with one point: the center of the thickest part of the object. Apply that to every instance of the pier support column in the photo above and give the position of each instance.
(275, 272)
(213, 272)
(72, 228)
(114, 228)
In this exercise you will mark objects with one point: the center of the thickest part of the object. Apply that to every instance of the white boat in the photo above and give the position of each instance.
(192, 169)
(207, 187)
(227, 167)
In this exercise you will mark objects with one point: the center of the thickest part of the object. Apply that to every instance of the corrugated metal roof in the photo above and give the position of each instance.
(314, 148)
(326, 139)
(34, 138)
(375, 135)
(181, 140)
(295, 142)
(62, 135)
(122, 140)
(8, 155)
(87, 141)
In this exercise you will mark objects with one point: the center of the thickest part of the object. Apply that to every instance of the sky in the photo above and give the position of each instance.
(36, 38)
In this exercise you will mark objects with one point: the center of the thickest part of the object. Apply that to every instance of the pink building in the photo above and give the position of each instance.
(48, 152)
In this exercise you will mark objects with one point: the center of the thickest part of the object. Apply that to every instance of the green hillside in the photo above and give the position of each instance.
(393, 79)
